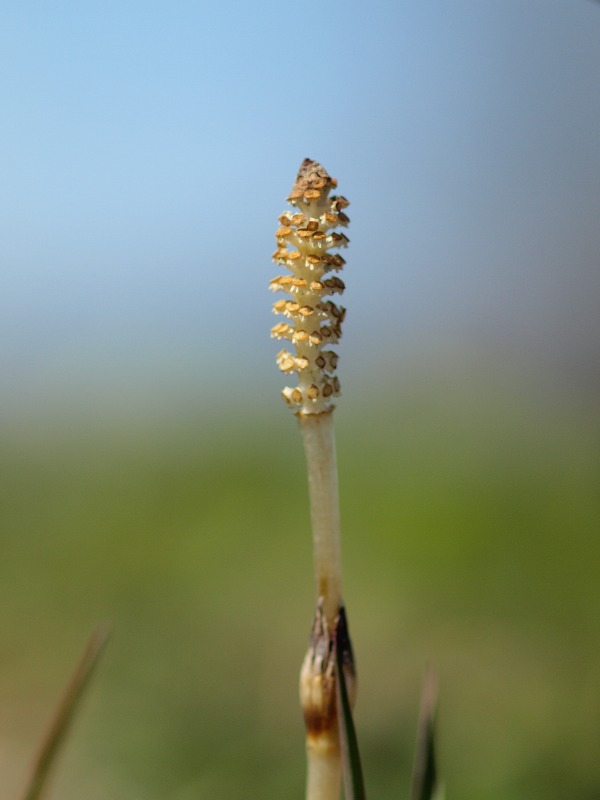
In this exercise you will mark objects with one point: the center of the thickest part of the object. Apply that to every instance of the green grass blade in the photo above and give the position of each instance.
(354, 787)
(425, 779)
(45, 758)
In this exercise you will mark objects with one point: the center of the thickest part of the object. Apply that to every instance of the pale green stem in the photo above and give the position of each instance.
(324, 766)
(319, 447)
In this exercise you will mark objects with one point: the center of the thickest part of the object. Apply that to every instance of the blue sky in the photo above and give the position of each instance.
(146, 150)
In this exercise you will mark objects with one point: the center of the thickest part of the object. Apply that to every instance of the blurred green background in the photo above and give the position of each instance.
(470, 511)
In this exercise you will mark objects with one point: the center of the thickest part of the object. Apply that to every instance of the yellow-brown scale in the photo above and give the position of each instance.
(313, 323)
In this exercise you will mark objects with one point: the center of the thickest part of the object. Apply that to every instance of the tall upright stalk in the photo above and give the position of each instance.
(304, 242)
(319, 446)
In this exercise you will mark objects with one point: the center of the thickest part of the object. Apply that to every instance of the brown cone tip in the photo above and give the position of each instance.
(312, 177)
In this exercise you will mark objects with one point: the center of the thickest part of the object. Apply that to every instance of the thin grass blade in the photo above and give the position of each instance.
(425, 778)
(354, 786)
(55, 735)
